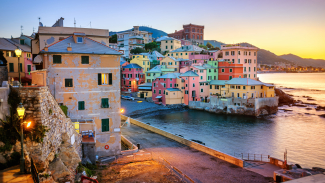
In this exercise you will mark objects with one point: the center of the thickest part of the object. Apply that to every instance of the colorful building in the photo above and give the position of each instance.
(132, 77)
(173, 96)
(202, 58)
(191, 89)
(246, 55)
(161, 84)
(191, 32)
(8, 47)
(154, 57)
(185, 51)
(168, 44)
(172, 63)
(157, 71)
(229, 70)
(84, 75)
(128, 40)
(145, 90)
(142, 60)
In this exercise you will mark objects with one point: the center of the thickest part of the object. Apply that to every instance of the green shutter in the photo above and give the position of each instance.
(11, 67)
(99, 79)
(105, 103)
(56, 59)
(84, 59)
(110, 79)
(105, 125)
(81, 105)
(29, 68)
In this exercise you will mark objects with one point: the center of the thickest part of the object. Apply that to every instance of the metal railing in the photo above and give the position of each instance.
(34, 172)
(253, 157)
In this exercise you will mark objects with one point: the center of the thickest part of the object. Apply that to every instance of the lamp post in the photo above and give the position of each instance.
(18, 54)
(21, 113)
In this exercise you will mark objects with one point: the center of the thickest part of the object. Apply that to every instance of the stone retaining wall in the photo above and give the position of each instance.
(3, 74)
(212, 152)
(132, 147)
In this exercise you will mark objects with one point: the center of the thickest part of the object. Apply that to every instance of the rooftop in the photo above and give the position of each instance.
(157, 68)
(130, 66)
(188, 48)
(173, 89)
(217, 82)
(170, 76)
(10, 45)
(246, 81)
(88, 46)
(190, 74)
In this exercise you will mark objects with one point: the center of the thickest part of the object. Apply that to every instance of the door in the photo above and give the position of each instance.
(141, 95)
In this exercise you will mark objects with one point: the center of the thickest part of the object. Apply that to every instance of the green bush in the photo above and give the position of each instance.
(64, 109)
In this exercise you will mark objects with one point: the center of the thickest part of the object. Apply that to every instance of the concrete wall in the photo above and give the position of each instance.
(212, 152)
(4, 106)
(132, 148)
(89, 150)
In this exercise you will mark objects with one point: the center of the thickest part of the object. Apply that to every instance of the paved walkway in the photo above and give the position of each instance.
(197, 165)
(12, 175)
(265, 169)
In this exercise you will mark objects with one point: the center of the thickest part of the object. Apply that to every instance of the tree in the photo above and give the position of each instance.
(209, 45)
(215, 48)
(113, 39)
(202, 46)
(137, 50)
(151, 46)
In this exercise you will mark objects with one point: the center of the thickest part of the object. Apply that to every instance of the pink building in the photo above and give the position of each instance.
(132, 76)
(160, 84)
(202, 58)
(191, 86)
(28, 64)
(184, 63)
(246, 55)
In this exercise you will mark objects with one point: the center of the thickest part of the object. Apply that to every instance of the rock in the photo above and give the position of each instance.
(58, 169)
(68, 154)
(2, 159)
(264, 112)
(283, 97)
(322, 115)
(47, 180)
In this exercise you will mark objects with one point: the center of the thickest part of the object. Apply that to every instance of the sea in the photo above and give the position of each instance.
(298, 130)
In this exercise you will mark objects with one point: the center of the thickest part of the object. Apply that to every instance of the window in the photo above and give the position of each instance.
(230, 70)
(171, 85)
(249, 76)
(227, 53)
(245, 60)
(249, 53)
(201, 90)
(254, 68)
(249, 69)
(84, 59)
(105, 79)
(232, 52)
(181, 53)
(209, 77)
(56, 59)
(159, 91)
(239, 61)
(185, 53)
(175, 69)
(154, 84)
(130, 83)
(253, 87)
(175, 85)
(154, 91)
(210, 86)
(79, 39)
(166, 93)
(166, 41)
(238, 52)
(222, 70)
(244, 87)
(167, 48)
(81, 105)
(244, 69)
(230, 77)
(29, 68)
(233, 61)
(254, 53)
(22, 41)
(238, 87)
(68, 82)
(201, 77)
(105, 125)
(254, 75)
(11, 67)
(171, 47)
(186, 91)
(105, 103)
(193, 85)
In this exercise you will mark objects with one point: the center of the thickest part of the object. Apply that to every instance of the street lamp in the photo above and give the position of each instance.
(21, 113)
(18, 54)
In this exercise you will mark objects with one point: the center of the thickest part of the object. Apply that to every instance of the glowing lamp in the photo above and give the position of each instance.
(21, 111)
(28, 124)
(122, 110)
(18, 52)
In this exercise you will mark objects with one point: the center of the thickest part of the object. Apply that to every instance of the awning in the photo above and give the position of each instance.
(38, 59)
(158, 96)
(144, 88)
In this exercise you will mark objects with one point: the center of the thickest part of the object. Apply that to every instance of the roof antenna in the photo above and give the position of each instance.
(74, 22)
(39, 19)
(21, 29)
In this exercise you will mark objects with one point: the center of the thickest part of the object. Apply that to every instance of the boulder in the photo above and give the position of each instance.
(68, 154)
(58, 169)
(283, 97)
(2, 159)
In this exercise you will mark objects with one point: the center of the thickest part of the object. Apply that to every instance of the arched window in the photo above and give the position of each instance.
(201, 37)
(193, 36)
(186, 36)
(197, 36)
(198, 30)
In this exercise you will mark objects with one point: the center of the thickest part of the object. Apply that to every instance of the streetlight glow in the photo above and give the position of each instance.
(28, 124)
(21, 110)
(18, 52)
(122, 110)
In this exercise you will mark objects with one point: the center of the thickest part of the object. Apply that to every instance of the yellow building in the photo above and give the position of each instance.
(142, 60)
(145, 90)
(185, 51)
(171, 63)
(241, 88)
(169, 44)
(173, 96)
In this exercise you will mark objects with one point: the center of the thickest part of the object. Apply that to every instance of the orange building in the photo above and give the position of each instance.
(229, 70)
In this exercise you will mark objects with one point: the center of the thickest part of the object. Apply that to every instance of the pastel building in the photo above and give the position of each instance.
(190, 32)
(142, 60)
(173, 96)
(8, 47)
(161, 84)
(185, 51)
(191, 89)
(84, 75)
(246, 55)
(157, 71)
(168, 44)
(132, 77)
(128, 40)
(202, 58)
(145, 90)
(172, 63)
(229, 70)
(154, 57)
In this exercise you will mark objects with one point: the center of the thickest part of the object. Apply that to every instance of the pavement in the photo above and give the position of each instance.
(13, 175)
(262, 168)
(199, 166)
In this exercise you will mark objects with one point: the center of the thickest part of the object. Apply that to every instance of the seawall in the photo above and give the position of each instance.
(197, 146)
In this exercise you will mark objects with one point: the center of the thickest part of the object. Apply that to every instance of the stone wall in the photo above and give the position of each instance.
(3, 74)
(4, 107)
(61, 139)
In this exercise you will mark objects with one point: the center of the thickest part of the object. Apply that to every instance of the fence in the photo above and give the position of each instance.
(34, 172)
(147, 156)
(253, 157)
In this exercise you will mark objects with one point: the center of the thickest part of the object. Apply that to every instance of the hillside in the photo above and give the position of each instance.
(214, 43)
(155, 32)
(304, 61)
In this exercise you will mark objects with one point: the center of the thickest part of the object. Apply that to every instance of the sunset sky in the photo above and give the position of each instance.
(280, 26)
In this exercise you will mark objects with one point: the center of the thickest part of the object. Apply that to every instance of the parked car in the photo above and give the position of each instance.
(128, 98)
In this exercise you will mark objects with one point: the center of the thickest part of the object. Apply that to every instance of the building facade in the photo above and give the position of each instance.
(229, 70)
(191, 92)
(190, 32)
(132, 77)
(185, 51)
(169, 44)
(160, 84)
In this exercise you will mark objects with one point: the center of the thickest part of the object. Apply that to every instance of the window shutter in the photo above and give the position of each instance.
(99, 79)
(105, 125)
(110, 78)
(11, 67)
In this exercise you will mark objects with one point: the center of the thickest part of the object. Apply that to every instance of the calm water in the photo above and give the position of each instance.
(303, 135)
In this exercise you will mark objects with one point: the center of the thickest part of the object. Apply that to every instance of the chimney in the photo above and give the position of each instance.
(46, 48)
(69, 48)
(175, 31)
